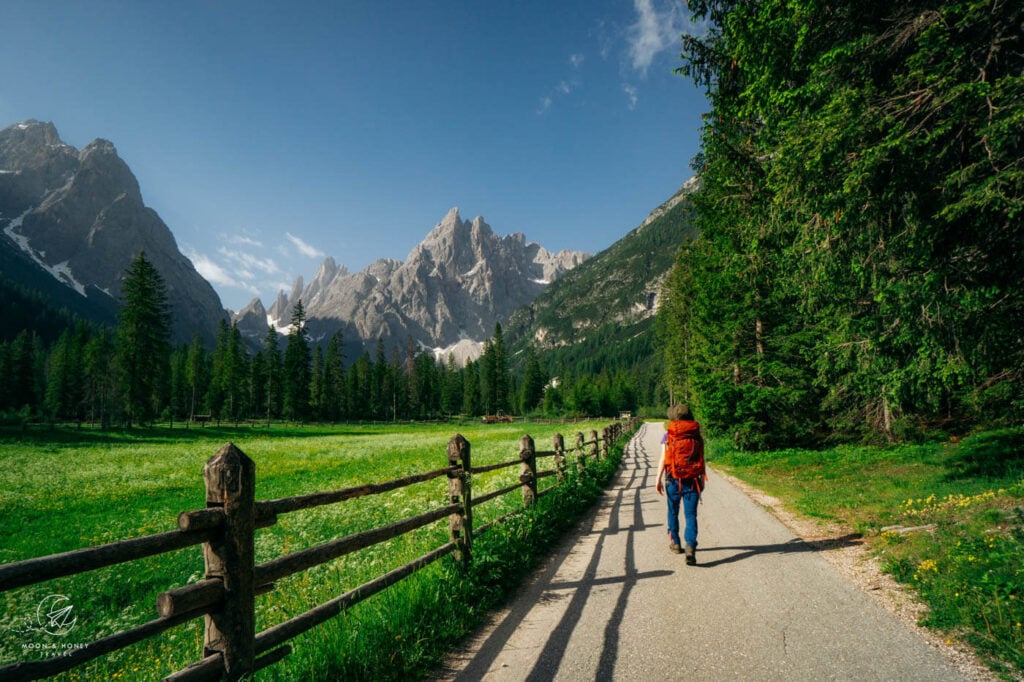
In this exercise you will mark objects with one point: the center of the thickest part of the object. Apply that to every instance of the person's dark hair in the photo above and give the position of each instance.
(677, 412)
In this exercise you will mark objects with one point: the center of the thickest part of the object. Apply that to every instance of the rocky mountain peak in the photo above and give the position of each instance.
(79, 215)
(102, 177)
(99, 146)
(453, 287)
(28, 136)
(451, 217)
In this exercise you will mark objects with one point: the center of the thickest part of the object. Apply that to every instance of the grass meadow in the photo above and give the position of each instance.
(966, 499)
(66, 489)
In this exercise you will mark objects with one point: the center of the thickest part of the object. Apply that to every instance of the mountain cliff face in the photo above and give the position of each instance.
(80, 216)
(455, 285)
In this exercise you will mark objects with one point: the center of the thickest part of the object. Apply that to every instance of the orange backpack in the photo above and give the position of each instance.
(684, 452)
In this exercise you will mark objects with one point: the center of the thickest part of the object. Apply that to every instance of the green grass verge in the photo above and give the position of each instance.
(966, 561)
(67, 489)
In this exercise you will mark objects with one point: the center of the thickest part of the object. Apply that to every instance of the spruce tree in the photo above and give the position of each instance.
(451, 395)
(533, 382)
(100, 379)
(216, 397)
(197, 375)
(143, 332)
(334, 379)
(296, 367)
(273, 371)
(500, 380)
(317, 391)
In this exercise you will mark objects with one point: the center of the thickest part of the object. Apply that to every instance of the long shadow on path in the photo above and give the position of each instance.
(794, 546)
(637, 470)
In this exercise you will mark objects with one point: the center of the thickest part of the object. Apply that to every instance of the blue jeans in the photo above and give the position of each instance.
(688, 494)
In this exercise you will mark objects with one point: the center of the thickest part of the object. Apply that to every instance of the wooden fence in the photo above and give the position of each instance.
(226, 530)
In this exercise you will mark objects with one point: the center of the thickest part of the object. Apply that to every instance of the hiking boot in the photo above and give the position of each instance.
(674, 548)
(691, 556)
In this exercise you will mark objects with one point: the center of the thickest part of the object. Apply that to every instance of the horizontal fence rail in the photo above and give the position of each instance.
(225, 599)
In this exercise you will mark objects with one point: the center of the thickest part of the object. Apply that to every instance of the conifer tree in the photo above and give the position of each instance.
(64, 380)
(451, 393)
(297, 367)
(273, 370)
(100, 379)
(334, 379)
(178, 397)
(216, 399)
(234, 376)
(197, 375)
(533, 382)
(143, 332)
(500, 377)
(472, 404)
(359, 387)
(316, 384)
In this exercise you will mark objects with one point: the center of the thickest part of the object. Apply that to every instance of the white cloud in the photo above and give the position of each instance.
(242, 240)
(576, 60)
(211, 270)
(564, 88)
(250, 262)
(304, 248)
(545, 104)
(657, 28)
(632, 94)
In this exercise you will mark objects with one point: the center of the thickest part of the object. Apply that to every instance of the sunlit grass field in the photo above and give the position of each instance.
(68, 489)
(946, 518)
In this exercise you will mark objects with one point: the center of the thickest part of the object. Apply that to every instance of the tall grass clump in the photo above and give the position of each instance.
(945, 518)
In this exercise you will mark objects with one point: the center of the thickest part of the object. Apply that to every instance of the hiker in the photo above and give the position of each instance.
(682, 464)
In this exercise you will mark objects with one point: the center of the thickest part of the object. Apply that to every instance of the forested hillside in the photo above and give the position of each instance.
(593, 328)
(859, 269)
(32, 299)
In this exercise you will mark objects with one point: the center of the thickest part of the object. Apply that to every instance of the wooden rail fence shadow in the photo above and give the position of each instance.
(225, 599)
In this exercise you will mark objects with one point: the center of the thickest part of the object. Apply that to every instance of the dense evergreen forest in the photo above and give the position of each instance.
(859, 268)
(132, 375)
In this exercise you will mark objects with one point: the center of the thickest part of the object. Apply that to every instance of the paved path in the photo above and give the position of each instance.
(614, 604)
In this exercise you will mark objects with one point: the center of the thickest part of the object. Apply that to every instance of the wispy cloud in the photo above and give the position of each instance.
(631, 93)
(304, 248)
(211, 270)
(243, 240)
(247, 264)
(563, 88)
(658, 26)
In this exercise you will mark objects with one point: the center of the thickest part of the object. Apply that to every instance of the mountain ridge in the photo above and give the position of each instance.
(600, 316)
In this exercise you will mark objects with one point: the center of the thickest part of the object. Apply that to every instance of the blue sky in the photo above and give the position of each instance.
(269, 135)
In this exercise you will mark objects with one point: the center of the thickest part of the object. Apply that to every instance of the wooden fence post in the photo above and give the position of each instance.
(460, 492)
(559, 446)
(593, 444)
(528, 477)
(581, 456)
(230, 478)
(606, 441)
